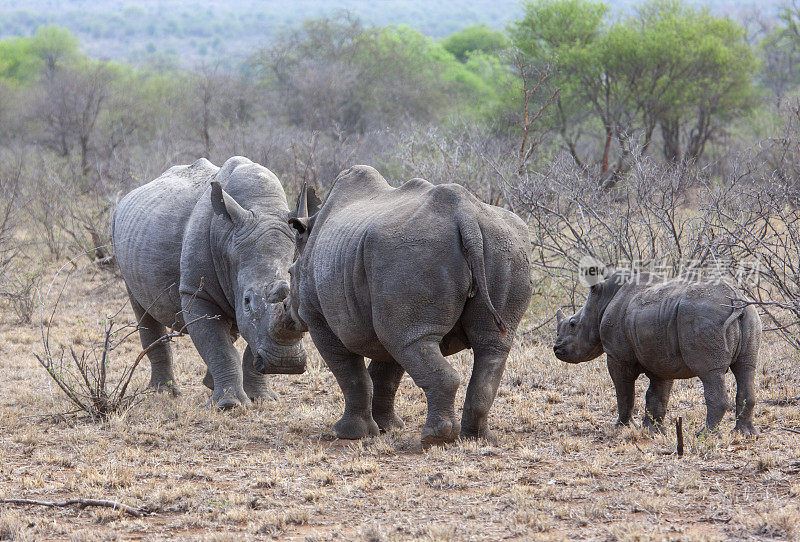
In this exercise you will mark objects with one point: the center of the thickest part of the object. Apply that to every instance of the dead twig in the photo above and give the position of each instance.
(82, 503)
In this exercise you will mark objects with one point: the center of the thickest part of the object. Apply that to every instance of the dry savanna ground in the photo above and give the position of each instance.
(559, 471)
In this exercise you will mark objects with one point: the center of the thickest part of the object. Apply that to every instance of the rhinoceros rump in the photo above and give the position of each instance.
(406, 276)
(189, 249)
(667, 329)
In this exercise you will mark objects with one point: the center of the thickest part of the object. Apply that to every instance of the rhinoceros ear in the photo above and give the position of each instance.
(224, 205)
(559, 316)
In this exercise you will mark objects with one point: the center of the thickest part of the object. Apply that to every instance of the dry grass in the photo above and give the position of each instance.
(560, 471)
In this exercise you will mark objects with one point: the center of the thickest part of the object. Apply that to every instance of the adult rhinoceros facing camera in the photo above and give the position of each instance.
(405, 276)
(667, 329)
(211, 247)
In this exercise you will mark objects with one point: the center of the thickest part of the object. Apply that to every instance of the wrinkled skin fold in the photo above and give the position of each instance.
(667, 330)
(210, 247)
(406, 276)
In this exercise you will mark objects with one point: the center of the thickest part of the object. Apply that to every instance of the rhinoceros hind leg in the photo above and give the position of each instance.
(354, 381)
(386, 376)
(256, 385)
(487, 371)
(744, 371)
(439, 380)
(656, 401)
(716, 397)
(160, 355)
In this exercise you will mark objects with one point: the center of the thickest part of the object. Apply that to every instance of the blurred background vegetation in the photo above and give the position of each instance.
(99, 97)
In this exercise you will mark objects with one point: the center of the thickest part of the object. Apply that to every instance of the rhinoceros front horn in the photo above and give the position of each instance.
(302, 203)
(300, 221)
(559, 316)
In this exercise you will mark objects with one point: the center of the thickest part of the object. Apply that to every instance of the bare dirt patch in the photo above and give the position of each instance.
(560, 470)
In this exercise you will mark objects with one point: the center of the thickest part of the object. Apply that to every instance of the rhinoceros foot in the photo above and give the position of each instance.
(444, 432)
(230, 398)
(168, 387)
(653, 426)
(353, 427)
(745, 428)
(388, 421)
(481, 433)
(259, 391)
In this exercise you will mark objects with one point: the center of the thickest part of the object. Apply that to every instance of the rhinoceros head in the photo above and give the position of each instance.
(578, 336)
(259, 258)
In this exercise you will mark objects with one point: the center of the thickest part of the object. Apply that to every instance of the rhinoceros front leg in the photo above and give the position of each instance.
(487, 371)
(439, 380)
(656, 402)
(386, 376)
(212, 338)
(624, 378)
(354, 381)
(256, 385)
(160, 355)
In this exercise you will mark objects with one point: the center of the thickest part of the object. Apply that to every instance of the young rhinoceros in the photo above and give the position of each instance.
(406, 276)
(667, 329)
(210, 247)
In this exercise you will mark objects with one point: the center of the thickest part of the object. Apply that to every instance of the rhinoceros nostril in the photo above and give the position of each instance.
(279, 292)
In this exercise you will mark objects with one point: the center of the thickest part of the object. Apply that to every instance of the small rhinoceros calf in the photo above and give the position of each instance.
(209, 248)
(667, 329)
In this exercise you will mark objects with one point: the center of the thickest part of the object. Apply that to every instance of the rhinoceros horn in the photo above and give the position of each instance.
(559, 316)
(300, 221)
(302, 203)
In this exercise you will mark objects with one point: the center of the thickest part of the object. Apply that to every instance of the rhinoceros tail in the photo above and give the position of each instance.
(735, 315)
(472, 241)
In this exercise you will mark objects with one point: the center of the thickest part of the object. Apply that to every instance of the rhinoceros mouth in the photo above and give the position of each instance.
(281, 360)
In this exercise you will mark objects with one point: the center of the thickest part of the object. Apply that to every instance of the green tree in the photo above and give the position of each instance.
(54, 45)
(670, 69)
(475, 39)
(336, 75)
(780, 53)
(18, 62)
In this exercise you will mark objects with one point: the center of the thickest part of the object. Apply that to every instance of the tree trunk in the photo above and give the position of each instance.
(607, 148)
(671, 134)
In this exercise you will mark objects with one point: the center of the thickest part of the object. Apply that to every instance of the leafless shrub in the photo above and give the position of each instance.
(756, 232)
(467, 154)
(11, 169)
(68, 215)
(648, 221)
(781, 155)
(86, 375)
(21, 291)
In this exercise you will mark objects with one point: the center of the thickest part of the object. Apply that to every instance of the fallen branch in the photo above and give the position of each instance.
(82, 503)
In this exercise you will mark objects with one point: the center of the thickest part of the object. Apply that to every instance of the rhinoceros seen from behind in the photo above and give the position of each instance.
(405, 276)
(667, 329)
(210, 247)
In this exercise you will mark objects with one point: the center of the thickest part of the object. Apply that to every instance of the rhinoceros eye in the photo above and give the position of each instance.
(572, 323)
(247, 301)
